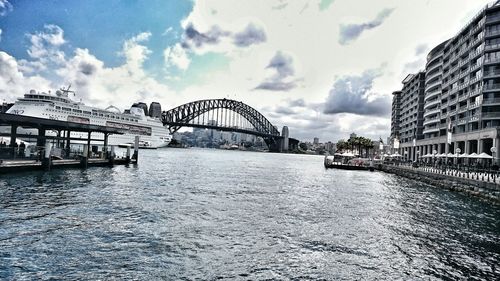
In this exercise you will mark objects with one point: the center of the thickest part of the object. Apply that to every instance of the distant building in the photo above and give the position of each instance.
(284, 134)
(316, 141)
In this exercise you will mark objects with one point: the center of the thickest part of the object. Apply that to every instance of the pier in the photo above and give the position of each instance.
(54, 151)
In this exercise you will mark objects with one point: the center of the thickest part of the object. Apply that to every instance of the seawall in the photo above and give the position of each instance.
(472, 187)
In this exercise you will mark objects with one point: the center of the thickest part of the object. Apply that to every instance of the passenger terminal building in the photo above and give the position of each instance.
(458, 93)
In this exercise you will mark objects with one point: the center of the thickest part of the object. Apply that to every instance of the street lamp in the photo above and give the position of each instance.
(494, 153)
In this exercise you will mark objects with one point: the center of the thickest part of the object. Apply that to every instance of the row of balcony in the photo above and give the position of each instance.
(431, 103)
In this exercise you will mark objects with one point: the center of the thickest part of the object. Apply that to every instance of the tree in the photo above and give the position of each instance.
(303, 146)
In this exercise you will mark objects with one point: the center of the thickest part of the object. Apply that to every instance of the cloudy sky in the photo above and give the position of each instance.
(324, 68)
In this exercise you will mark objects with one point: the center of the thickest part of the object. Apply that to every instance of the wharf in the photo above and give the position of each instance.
(10, 166)
(13, 159)
(341, 166)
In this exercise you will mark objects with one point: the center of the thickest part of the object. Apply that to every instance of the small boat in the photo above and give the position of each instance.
(330, 162)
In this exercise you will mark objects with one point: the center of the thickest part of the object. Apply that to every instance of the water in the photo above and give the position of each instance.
(211, 214)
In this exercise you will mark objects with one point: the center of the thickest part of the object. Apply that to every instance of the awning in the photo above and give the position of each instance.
(484, 155)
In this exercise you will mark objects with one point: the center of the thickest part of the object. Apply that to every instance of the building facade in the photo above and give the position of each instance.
(396, 115)
(461, 94)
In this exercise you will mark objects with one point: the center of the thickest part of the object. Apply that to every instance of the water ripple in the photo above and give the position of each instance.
(226, 215)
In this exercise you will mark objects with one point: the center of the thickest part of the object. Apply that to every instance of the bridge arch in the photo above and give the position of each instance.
(182, 115)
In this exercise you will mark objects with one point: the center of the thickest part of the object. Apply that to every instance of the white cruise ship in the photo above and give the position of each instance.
(59, 106)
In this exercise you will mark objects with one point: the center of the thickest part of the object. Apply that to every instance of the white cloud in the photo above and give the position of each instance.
(93, 82)
(176, 56)
(13, 83)
(45, 48)
(5, 7)
(307, 34)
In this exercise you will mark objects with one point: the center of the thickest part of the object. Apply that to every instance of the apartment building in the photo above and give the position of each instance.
(411, 106)
(396, 114)
(461, 94)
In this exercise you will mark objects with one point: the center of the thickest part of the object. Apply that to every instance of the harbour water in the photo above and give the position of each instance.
(212, 214)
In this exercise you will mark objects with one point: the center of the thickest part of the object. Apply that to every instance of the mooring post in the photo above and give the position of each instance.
(111, 156)
(46, 161)
(127, 158)
(85, 157)
(136, 149)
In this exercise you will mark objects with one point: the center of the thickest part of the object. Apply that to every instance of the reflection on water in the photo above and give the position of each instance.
(207, 214)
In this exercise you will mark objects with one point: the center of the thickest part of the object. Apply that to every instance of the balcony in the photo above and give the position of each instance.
(491, 47)
(430, 130)
(463, 85)
(492, 18)
(463, 62)
(476, 41)
(474, 92)
(461, 121)
(474, 80)
(494, 101)
(491, 74)
(462, 109)
(475, 54)
(431, 121)
(490, 115)
(432, 111)
(492, 32)
(473, 67)
(433, 75)
(474, 105)
(474, 118)
(491, 87)
(431, 94)
(491, 60)
(432, 85)
(432, 103)
(463, 97)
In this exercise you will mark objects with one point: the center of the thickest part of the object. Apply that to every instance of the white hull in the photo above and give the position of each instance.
(151, 131)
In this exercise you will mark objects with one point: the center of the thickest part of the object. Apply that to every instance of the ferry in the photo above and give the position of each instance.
(60, 106)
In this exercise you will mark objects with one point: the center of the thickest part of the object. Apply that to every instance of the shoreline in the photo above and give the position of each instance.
(489, 191)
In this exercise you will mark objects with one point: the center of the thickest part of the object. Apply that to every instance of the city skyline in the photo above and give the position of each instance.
(326, 83)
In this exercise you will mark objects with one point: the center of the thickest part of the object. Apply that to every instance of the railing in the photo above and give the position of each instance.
(491, 73)
(477, 171)
(490, 115)
(474, 80)
(491, 46)
(495, 86)
(491, 60)
(492, 32)
(475, 105)
(431, 103)
(492, 18)
(463, 97)
(475, 53)
(431, 121)
(474, 92)
(491, 101)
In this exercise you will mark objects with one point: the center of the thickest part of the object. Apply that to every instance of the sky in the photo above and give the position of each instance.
(324, 68)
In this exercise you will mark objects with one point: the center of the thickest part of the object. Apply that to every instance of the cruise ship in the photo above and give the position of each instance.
(60, 106)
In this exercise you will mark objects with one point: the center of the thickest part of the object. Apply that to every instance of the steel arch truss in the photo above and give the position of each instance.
(181, 116)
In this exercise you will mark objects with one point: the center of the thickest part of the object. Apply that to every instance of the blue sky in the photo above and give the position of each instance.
(325, 68)
(101, 26)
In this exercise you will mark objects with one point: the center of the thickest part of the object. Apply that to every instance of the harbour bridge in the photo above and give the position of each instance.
(227, 115)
